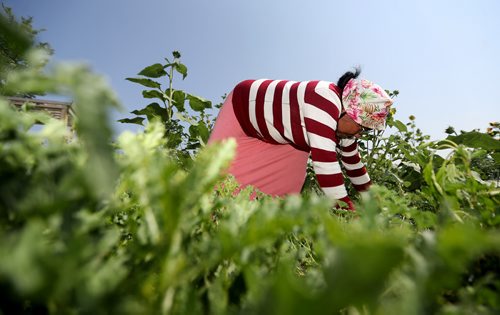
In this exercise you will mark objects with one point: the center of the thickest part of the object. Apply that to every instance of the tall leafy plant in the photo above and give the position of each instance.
(184, 115)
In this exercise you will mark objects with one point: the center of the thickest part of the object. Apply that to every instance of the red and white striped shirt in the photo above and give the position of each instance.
(305, 115)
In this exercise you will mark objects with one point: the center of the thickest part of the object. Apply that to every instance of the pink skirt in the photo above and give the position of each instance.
(274, 169)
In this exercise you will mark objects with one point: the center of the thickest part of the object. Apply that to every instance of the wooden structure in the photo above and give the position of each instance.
(59, 110)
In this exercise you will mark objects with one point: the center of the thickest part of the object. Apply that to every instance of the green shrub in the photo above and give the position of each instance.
(88, 226)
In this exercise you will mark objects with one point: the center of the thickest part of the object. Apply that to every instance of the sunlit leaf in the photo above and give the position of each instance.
(401, 127)
(476, 139)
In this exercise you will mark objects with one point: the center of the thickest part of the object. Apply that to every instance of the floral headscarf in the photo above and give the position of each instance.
(366, 103)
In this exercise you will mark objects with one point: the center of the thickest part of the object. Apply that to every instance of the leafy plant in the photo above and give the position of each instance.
(17, 36)
(170, 107)
(487, 159)
(91, 227)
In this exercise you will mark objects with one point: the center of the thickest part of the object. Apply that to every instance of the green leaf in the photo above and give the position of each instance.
(178, 99)
(154, 71)
(135, 120)
(199, 130)
(474, 139)
(182, 69)
(204, 132)
(496, 157)
(366, 262)
(430, 179)
(186, 118)
(173, 140)
(193, 131)
(151, 111)
(153, 94)
(401, 127)
(450, 130)
(145, 82)
(198, 104)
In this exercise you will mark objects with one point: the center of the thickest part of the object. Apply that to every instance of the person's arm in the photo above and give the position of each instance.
(355, 169)
(327, 168)
(322, 111)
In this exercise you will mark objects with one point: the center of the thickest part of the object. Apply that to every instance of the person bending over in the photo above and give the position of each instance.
(278, 124)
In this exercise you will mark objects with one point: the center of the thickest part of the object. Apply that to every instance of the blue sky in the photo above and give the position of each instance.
(443, 56)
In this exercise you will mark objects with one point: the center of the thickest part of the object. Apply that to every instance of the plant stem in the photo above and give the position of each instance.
(170, 94)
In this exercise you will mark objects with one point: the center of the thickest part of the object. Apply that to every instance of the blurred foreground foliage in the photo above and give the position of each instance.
(91, 226)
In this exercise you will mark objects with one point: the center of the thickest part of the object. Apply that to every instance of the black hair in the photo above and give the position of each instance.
(346, 77)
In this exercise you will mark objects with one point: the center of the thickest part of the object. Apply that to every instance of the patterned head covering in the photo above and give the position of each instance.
(366, 103)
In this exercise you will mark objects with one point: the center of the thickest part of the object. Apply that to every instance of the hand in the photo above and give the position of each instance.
(349, 207)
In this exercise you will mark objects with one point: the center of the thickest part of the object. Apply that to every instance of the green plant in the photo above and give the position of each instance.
(91, 227)
(172, 111)
(16, 37)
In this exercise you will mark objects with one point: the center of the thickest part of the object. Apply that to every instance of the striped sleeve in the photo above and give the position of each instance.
(355, 169)
(321, 113)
